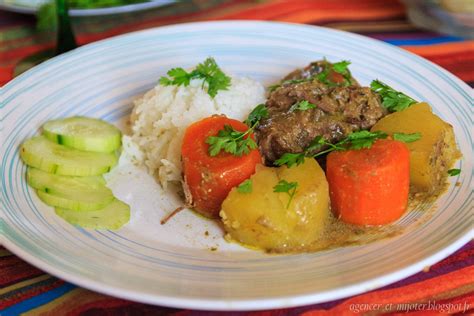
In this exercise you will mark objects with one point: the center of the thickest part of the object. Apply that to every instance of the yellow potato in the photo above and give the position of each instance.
(433, 154)
(261, 218)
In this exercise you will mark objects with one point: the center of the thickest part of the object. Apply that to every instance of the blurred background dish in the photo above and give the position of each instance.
(454, 17)
(32, 6)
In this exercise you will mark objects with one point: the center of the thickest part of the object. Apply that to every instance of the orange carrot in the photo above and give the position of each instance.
(209, 179)
(369, 186)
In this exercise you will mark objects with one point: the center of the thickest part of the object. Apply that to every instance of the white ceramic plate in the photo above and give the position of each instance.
(173, 265)
(32, 6)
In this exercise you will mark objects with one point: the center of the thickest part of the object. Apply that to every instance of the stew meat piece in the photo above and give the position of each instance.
(340, 110)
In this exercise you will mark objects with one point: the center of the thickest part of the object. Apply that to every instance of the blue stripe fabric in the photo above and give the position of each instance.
(423, 41)
(38, 300)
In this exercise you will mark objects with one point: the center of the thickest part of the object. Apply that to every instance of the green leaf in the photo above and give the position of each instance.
(290, 159)
(256, 115)
(164, 81)
(341, 67)
(454, 172)
(364, 139)
(289, 188)
(284, 186)
(245, 187)
(393, 100)
(208, 71)
(213, 75)
(316, 144)
(231, 141)
(406, 138)
(302, 106)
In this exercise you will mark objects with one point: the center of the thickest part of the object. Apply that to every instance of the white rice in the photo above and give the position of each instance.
(161, 116)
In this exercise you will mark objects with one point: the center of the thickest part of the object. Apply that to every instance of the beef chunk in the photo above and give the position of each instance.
(340, 110)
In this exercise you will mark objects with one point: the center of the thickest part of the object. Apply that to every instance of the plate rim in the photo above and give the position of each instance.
(245, 304)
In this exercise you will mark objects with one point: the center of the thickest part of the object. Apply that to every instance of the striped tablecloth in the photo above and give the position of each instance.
(444, 288)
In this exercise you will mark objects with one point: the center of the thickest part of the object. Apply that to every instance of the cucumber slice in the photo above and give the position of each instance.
(113, 216)
(43, 154)
(84, 133)
(83, 190)
(75, 205)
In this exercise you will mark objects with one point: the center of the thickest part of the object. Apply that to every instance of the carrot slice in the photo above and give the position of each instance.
(369, 186)
(208, 180)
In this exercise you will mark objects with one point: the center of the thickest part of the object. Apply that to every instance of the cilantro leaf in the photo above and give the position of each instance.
(341, 67)
(286, 187)
(208, 71)
(290, 159)
(179, 75)
(364, 139)
(256, 115)
(213, 75)
(393, 100)
(231, 141)
(323, 76)
(356, 140)
(454, 172)
(245, 187)
(235, 142)
(316, 144)
(406, 138)
(302, 106)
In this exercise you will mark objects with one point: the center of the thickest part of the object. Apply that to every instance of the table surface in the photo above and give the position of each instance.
(446, 287)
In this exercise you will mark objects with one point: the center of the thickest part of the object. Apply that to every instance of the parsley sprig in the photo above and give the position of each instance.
(208, 70)
(288, 188)
(302, 106)
(231, 141)
(339, 67)
(407, 138)
(245, 187)
(259, 112)
(234, 142)
(392, 99)
(454, 172)
(356, 140)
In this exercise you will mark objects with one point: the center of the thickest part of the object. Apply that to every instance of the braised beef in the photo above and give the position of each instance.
(340, 110)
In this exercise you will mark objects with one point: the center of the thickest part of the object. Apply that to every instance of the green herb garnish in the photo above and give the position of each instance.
(256, 115)
(235, 142)
(356, 140)
(454, 172)
(407, 138)
(323, 76)
(286, 187)
(231, 141)
(363, 139)
(392, 99)
(208, 70)
(339, 67)
(245, 187)
(302, 106)
(290, 159)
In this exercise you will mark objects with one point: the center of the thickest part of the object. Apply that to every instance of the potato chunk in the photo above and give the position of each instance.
(433, 154)
(261, 218)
